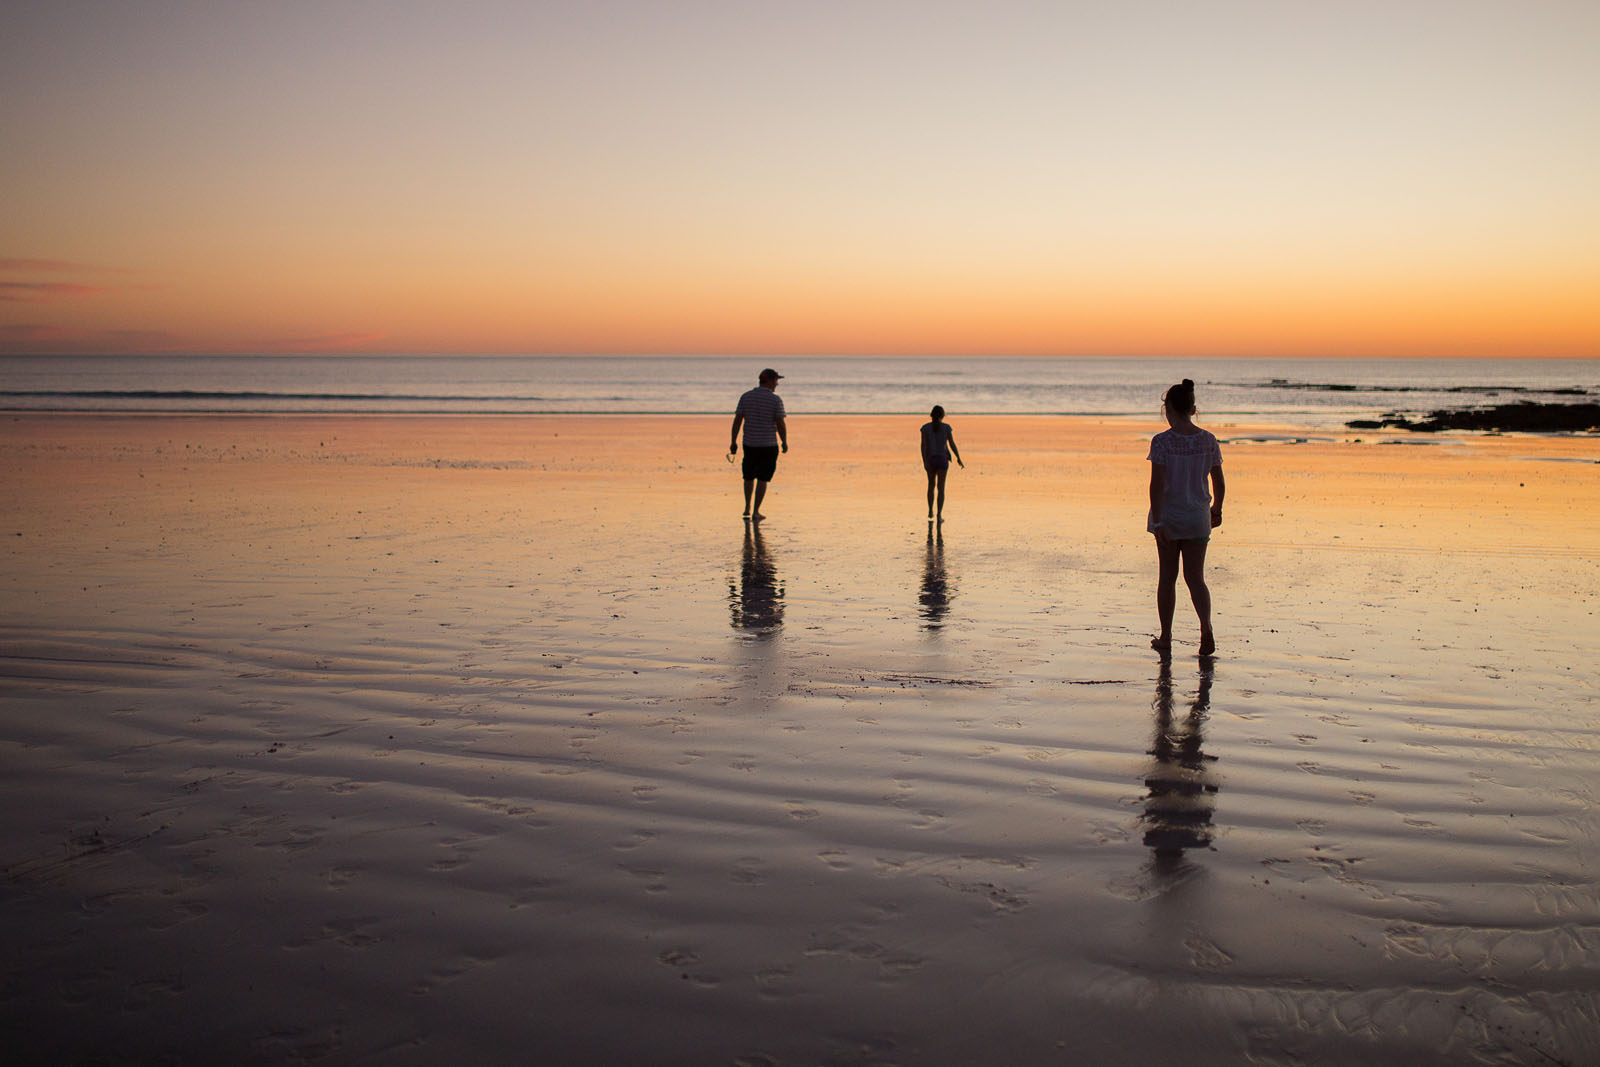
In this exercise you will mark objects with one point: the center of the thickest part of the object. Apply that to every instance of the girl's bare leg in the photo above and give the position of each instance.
(1166, 590)
(931, 477)
(1194, 576)
(942, 472)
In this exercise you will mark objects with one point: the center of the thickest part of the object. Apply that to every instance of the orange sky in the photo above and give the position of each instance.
(1260, 179)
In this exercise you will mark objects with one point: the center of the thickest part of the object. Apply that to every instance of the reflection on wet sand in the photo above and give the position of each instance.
(937, 589)
(1181, 786)
(756, 599)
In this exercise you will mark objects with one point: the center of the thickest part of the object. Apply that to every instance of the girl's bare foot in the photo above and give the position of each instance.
(1208, 643)
(1161, 644)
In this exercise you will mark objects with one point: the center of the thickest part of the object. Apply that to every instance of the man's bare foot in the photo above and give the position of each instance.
(1208, 643)
(757, 517)
(1161, 644)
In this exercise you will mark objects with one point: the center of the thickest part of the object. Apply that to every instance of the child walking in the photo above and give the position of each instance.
(1182, 512)
(938, 442)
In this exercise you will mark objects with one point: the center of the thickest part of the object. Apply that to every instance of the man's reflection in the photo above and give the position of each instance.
(756, 601)
(1182, 787)
(937, 589)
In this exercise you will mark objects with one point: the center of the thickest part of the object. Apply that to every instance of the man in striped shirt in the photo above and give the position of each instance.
(761, 413)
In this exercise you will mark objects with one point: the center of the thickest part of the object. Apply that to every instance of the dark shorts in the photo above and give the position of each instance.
(933, 465)
(761, 462)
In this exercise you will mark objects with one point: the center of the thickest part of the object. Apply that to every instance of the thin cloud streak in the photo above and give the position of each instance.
(50, 339)
(40, 292)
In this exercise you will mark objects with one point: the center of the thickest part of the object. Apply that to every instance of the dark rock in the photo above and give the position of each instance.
(1524, 417)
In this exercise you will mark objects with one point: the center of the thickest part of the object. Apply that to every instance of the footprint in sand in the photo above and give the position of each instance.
(339, 877)
(654, 879)
(1002, 898)
(634, 840)
(446, 972)
(301, 837)
(772, 984)
(181, 913)
(528, 894)
(1205, 954)
(892, 967)
(679, 957)
(749, 870)
(835, 858)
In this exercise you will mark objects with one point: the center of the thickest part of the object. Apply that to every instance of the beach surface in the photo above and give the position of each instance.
(423, 740)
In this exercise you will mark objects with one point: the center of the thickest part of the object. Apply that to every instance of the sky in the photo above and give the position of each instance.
(1148, 177)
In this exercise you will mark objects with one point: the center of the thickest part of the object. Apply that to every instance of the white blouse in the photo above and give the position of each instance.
(1186, 492)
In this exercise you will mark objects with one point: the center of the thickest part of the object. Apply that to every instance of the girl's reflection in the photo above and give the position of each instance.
(1180, 782)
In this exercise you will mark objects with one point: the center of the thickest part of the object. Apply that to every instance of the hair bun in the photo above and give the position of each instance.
(1188, 383)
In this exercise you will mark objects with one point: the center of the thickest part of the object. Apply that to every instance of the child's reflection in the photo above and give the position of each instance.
(936, 586)
(1181, 786)
(756, 600)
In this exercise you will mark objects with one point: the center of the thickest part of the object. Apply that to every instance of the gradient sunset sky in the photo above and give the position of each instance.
(1405, 177)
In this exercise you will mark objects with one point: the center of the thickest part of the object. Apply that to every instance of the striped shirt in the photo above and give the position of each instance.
(761, 408)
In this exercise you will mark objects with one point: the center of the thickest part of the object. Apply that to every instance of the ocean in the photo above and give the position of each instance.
(1306, 393)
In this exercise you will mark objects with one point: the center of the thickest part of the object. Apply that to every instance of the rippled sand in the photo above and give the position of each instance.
(505, 740)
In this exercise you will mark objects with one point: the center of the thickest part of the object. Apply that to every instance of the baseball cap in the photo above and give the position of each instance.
(769, 373)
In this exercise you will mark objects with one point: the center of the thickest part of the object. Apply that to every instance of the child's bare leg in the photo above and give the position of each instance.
(931, 477)
(942, 473)
(1194, 576)
(1166, 590)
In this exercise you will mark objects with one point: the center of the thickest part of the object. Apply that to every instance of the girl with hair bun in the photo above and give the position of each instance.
(1182, 512)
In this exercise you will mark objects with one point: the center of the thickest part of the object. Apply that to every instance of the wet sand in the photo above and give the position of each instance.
(426, 740)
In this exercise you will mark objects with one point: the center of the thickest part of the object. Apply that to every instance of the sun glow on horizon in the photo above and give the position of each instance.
(1253, 179)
